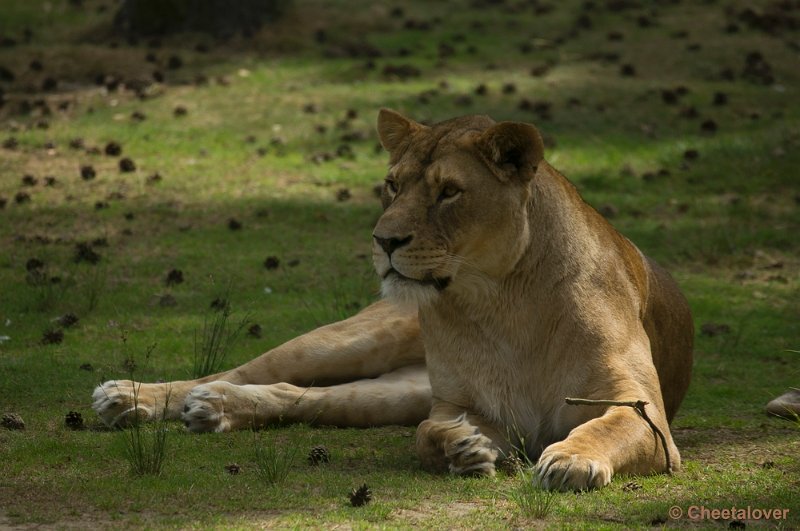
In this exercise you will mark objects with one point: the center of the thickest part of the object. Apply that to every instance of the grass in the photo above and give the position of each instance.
(724, 223)
(272, 463)
(145, 444)
(532, 500)
(216, 339)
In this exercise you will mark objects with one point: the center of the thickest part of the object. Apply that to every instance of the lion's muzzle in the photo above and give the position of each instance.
(390, 245)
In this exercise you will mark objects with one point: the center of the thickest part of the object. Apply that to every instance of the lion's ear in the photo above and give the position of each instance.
(512, 147)
(394, 129)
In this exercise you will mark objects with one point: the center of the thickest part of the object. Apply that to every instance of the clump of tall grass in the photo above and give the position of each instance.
(272, 462)
(212, 344)
(531, 498)
(48, 289)
(145, 443)
(94, 287)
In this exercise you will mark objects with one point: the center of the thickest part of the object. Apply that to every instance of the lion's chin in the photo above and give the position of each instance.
(406, 291)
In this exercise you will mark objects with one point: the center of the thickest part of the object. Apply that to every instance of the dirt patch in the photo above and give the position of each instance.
(755, 447)
(427, 511)
(79, 522)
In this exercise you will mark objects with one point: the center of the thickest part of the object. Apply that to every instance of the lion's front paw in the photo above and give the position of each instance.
(204, 409)
(560, 469)
(472, 455)
(119, 402)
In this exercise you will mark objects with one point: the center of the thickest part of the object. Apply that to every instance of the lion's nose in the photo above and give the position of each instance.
(390, 245)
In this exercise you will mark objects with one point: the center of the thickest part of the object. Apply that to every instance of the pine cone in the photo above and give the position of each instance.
(12, 421)
(631, 486)
(318, 454)
(254, 330)
(233, 469)
(52, 337)
(68, 319)
(74, 420)
(512, 464)
(175, 276)
(360, 496)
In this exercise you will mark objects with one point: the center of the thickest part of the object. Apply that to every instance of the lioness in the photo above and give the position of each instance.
(515, 294)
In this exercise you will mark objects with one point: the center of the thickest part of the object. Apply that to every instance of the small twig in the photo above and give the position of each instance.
(638, 405)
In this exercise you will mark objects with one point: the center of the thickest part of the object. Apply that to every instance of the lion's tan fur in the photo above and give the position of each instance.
(515, 293)
(565, 305)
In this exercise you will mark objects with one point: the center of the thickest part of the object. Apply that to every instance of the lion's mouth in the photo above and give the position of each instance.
(440, 283)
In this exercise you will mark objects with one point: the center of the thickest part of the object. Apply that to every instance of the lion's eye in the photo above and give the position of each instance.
(448, 192)
(391, 186)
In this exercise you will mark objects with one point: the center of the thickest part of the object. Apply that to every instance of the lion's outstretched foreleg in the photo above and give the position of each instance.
(399, 397)
(378, 340)
(620, 441)
(119, 402)
(453, 439)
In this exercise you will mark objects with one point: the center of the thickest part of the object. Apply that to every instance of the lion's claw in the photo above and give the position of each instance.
(472, 455)
(562, 470)
(204, 410)
(117, 403)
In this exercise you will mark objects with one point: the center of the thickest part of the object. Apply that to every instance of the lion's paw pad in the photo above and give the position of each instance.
(472, 455)
(203, 410)
(117, 403)
(558, 470)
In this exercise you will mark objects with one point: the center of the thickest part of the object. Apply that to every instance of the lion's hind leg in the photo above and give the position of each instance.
(399, 397)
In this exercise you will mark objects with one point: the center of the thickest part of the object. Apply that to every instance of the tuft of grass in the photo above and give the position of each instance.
(216, 340)
(48, 289)
(272, 462)
(530, 497)
(145, 443)
(94, 287)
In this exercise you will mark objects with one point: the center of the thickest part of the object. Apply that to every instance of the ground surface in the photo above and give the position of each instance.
(678, 122)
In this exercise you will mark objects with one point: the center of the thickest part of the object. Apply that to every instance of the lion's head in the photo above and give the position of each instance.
(455, 202)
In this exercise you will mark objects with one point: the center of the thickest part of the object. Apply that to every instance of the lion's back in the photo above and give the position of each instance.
(668, 323)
